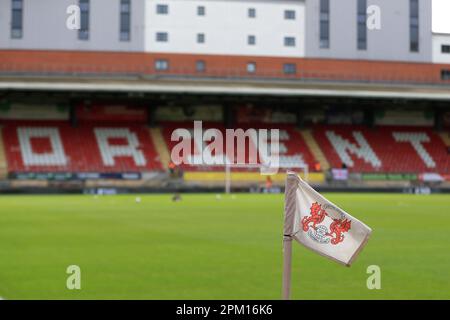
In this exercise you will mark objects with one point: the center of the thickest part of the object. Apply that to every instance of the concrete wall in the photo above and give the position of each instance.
(391, 42)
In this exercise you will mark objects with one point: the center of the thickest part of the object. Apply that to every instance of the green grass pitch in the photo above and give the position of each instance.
(205, 248)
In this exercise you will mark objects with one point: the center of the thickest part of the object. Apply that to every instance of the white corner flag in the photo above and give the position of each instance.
(319, 225)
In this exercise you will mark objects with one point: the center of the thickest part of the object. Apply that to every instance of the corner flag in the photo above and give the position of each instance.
(319, 225)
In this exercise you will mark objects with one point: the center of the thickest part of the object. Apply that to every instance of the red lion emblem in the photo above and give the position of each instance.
(316, 217)
(337, 227)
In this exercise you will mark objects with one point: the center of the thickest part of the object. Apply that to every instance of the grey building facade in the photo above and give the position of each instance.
(404, 34)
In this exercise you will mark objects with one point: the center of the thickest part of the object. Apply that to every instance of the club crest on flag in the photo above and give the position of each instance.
(324, 227)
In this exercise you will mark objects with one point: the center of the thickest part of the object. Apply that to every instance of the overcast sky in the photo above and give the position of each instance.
(441, 16)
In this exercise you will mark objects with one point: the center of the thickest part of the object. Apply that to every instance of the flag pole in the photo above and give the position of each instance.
(289, 215)
(287, 258)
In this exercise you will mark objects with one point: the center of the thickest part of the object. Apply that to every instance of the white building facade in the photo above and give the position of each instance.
(441, 48)
(236, 27)
(260, 27)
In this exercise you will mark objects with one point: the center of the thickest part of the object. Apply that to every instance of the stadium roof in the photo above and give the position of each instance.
(228, 87)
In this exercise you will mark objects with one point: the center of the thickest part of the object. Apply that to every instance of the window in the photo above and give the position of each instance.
(289, 68)
(162, 9)
(83, 32)
(445, 48)
(252, 13)
(445, 74)
(161, 65)
(17, 19)
(162, 37)
(201, 11)
(200, 66)
(289, 14)
(200, 38)
(125, 20)
(251, 67)
(251, 40)
(361, 25)
(324, 24)
(289, 41)
(414, 25)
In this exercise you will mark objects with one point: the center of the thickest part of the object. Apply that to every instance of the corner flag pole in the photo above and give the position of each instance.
(287, 255)
(289, 215)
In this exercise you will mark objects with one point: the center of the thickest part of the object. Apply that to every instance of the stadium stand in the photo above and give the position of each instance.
(58, 147)
(294, 152)
(111, 148)
(383, 149)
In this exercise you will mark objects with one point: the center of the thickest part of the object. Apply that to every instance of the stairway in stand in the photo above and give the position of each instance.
(3, 162)
(446, 138)
(160, 146)
(315, 149)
